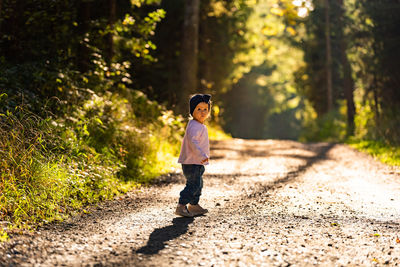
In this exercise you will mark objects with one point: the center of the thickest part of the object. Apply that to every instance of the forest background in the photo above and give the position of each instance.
(94, 94)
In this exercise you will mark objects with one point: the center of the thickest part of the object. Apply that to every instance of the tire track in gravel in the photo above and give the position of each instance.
(271, 202)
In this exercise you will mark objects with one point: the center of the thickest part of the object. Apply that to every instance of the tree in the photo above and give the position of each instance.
(321, 79)
(378, 33)
(83, 52)
(189, 56)
(348, 82)
(1, 1)
(110, 36)
(328, 51)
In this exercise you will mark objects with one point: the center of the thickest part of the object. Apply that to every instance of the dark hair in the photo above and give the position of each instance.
(198, 98)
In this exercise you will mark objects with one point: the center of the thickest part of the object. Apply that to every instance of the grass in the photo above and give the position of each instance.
(54, 168)
(40, 184)
(387, 154)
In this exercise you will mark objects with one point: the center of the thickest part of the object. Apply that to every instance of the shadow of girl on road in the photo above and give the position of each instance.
(159, 236)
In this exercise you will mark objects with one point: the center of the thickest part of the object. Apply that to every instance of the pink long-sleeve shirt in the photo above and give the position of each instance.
(195, 144)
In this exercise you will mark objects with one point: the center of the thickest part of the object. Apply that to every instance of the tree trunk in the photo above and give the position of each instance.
(83, 50)
(205, 52)
(348, 82)
(349, 93)
(328, 65)
(376, 99)
(110, 37)
(1, 2)
(13, 50)
(189, 53)
(375, 91)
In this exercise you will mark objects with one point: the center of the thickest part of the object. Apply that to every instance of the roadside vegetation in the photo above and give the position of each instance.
(54, 167)
(386, 153)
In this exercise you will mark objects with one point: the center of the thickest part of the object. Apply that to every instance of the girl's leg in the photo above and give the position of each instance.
(197, 193)
(193, 175)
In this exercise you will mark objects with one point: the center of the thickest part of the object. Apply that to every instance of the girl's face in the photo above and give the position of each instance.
(200, 113)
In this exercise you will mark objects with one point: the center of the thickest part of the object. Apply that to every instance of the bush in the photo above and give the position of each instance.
(138, 133)
(330, 127)
(386, 153)
(39, 184)
(54, 167)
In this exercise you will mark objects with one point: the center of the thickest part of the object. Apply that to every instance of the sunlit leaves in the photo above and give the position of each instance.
(277, 11)
(270, 31)
(291, 31)
(129, 20)
(303, 7)
(217, 9)
(145, 27)
(262, 63)
(139, 3)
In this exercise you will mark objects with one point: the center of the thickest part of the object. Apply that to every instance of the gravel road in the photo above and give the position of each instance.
(271, 203)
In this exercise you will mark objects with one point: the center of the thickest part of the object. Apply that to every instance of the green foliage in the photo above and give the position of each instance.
(262, 101)
(37, 30)
(79, 134)
(54, 167)
(231, 43)
(128, 126)
(137, 47)
(37, 184)
(329, 127)
(60, 49)
(235, 36)
(312, 77)
(367, 27)
(374, 53)
(386, 153)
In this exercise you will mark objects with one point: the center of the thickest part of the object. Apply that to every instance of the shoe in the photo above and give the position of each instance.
(183, 211)
(196, 210)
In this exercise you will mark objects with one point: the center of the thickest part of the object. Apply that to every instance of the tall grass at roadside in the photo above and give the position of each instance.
(39, 183)
(388, 154)
(54, 167)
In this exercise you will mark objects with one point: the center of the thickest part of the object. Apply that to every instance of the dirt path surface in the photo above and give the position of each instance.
(272, 203)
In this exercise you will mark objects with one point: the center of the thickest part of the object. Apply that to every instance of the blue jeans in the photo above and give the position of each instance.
(194, 183)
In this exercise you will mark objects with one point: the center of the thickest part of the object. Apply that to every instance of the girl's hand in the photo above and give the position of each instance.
(204, 161)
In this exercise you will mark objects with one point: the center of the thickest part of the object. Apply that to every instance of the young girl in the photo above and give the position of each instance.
(195, 153)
